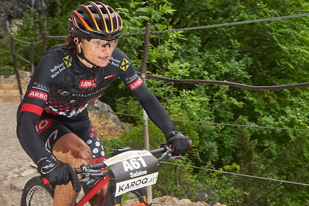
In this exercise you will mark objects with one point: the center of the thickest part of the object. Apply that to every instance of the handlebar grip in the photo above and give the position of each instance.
(191, 143)
(46, 181)
(173, 148)
(158, 151)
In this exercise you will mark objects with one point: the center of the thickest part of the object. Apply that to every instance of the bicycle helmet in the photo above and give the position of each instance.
(95, 20)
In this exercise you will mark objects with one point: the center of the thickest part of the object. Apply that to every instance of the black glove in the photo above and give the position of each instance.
(180, 142)
(57, 172)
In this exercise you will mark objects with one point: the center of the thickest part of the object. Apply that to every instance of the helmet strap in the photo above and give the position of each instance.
(81, 54)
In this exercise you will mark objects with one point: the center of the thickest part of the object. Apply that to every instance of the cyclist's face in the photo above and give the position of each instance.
(98, 51)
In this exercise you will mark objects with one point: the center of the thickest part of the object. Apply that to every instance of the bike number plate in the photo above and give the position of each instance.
(133, 170)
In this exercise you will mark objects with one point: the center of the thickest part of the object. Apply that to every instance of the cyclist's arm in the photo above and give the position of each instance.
(149, 102)
(30, 110)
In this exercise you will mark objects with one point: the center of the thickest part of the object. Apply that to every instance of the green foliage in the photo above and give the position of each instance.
(268, 53)
(6, 71)
(265, 53)
(5, 48)
(31, 29)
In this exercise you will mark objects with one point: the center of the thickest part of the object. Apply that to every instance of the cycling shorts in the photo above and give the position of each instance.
(50, 130)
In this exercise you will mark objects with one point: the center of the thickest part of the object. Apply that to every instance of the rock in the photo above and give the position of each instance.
(218, 204)
(170, 201)
(28, 173)
(185, 201)
(131, 202)
(9, 90)
(111, 123)
(12, 11)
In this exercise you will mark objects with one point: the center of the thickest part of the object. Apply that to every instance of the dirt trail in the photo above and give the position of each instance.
(16, 166)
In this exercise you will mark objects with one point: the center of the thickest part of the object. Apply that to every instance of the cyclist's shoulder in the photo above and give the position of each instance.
(52, 65)
(120, 60)
(55, 55)
(120, 55)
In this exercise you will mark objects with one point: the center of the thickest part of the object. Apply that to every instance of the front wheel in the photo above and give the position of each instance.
(35, 193)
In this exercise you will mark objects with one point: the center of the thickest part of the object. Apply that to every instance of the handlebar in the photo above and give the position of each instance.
(165, 149)
(92, 170)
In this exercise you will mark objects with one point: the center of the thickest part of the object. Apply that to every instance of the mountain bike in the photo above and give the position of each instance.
(128, 171)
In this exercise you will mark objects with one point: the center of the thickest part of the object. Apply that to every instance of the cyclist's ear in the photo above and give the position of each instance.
(74, 180)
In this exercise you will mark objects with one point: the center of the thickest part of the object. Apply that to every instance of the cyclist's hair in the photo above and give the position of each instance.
(95, 20)
(70, 47)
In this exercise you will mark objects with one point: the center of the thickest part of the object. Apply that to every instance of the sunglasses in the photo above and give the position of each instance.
(103, 43)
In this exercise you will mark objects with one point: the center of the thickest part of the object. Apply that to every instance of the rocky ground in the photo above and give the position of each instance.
(16, 166)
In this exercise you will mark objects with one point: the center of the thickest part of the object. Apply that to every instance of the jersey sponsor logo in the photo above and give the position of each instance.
(39, 86)
(85, 84)
(125, 65)
(42, 125)
(131, 78)
(109, 76)
(136, 84)
(52, 137)
(136, 183)
(63, 92)
(68, 61)
(115, 62)
(37, 94)
(126, 156)
(96, 92)
(57, 69)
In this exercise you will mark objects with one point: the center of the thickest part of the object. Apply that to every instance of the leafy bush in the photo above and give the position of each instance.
(6, 71)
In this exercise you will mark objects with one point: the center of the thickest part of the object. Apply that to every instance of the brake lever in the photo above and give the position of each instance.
(85, 178)
(170, 156)
(166, 153)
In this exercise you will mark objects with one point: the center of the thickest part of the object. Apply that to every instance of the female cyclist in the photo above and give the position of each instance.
(52, 120)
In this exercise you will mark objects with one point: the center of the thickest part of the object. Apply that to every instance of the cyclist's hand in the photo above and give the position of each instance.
(180, 142)
(57, 172)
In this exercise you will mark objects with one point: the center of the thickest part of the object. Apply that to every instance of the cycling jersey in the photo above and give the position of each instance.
(62, 86)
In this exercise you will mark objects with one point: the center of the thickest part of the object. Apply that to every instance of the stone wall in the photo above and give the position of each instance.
(11, 11)
(9, 91)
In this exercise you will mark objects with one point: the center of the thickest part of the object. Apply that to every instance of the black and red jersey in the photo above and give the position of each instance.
(62, 86)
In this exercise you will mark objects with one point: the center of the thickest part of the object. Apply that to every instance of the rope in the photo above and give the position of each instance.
(230, 173)
(242, 175)
(224, 124)
(232, 84)
(23, 59)
(57, 36)
(210, 26)
(22, 41)
(38, 42)
(221, 25)
(28, 42)
(240, 125)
